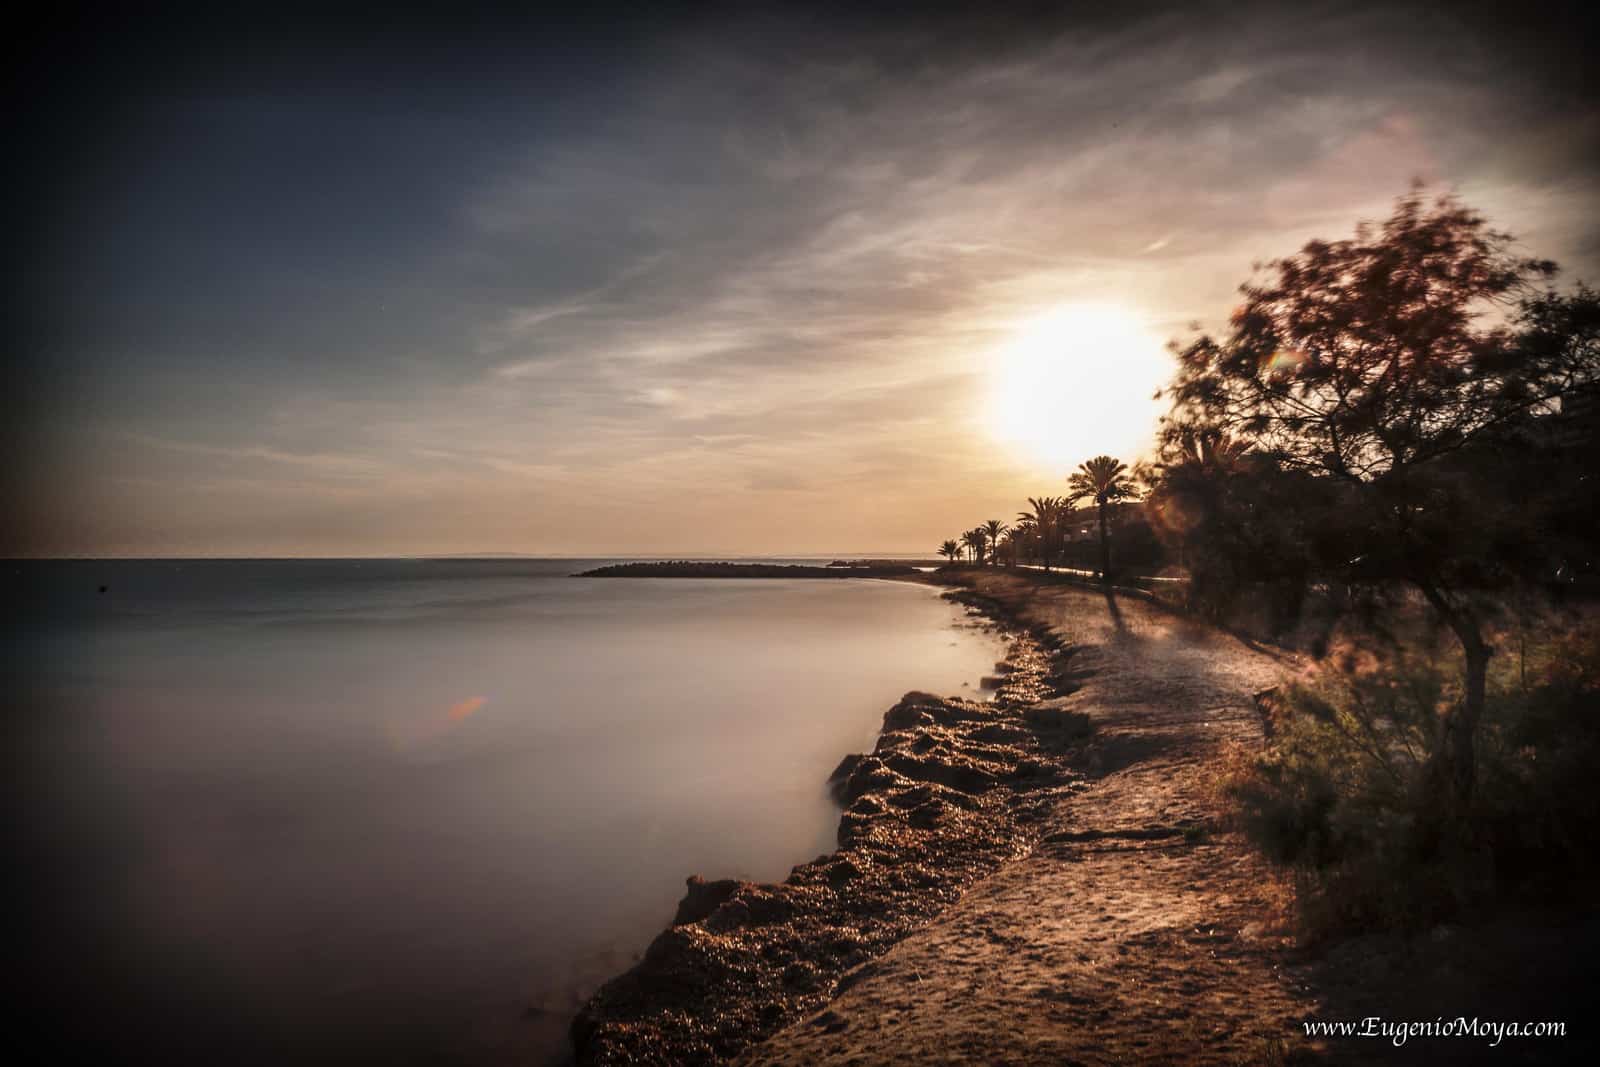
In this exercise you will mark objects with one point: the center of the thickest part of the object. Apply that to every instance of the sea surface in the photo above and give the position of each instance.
(313, 811)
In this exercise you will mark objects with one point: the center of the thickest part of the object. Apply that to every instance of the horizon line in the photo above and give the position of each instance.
(676, 556)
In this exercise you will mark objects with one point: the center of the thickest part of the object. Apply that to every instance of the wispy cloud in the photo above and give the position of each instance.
(736, 283)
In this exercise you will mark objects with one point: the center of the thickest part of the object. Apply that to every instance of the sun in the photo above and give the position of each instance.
(1077, 381)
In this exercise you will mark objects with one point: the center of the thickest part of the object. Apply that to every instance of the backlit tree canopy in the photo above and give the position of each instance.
(1408, 365)
(1364, 356)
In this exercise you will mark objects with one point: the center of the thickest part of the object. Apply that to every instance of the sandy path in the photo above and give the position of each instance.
(1127, 935)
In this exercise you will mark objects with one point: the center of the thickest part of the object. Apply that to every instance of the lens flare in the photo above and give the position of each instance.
(462, 709)
(1283, 362)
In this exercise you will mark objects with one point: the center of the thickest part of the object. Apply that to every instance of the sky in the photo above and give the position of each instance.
(741, 281)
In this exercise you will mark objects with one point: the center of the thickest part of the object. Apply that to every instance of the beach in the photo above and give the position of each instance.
(976, 841)
(1053, 878)
(1132, 929)
(786, 534)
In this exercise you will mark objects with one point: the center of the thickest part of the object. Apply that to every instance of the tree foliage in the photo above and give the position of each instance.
(1042, 529)
(1414, 374)
(993, 529)
(1364, 357)
(1104, 480)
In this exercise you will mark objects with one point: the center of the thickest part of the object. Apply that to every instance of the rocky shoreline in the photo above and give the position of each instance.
(1012, 887)
(953, 789)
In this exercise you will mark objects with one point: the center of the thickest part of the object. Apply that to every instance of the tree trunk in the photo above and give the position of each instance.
(1453, 762)
(1105, 548)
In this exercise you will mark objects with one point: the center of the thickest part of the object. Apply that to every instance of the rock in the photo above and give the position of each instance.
(676, 951)
(1059, 720)
(1033, 768)
(768, 904)
(927, 815)
(843, 871)
(910, 711)
(867, 806)
(911, 798)
(918, 795)
(1002, 733)
(730, 915)
(923, 820)
(888, 742)
(703, 898)
(871, 775)
(841, 774)
(801, 976)
(955, 711)
(851, 828)
(964, 777)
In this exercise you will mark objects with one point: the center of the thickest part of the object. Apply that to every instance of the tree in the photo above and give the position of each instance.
(1393, 364)
(950, 550)
(1236, 519)
(1024, 538)
(992, 531)
(1189, 481)
(1048, 520)
(1010, 547)
(974, 541)
(1103, 480)
(1189, 497)
(1208, 448)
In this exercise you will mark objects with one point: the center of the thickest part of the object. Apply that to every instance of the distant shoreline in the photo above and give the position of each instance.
(692, 569)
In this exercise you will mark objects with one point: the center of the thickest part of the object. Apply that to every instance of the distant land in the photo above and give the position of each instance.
(690, 569)
(882, 559)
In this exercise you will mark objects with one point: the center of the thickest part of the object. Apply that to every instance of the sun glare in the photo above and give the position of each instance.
(1075, 382)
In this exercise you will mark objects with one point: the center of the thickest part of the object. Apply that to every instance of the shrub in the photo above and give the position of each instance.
(1338, 795)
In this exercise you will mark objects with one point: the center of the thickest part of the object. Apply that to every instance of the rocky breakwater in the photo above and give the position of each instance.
(953, 789)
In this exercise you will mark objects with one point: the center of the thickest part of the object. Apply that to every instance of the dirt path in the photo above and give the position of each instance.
(1132, 933)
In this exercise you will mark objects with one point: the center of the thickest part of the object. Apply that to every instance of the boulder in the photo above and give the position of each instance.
(963, 777)
(870, 775)
(703, 898)
(841, 775)
(911, 711)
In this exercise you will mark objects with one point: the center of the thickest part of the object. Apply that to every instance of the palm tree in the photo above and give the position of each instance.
(950, 550)
(1011, 546)
(1048, 519)
(1024, 537)
(1209, 448)
(992, 530)
(1101, 479)
(974, 539)
(1187, 485)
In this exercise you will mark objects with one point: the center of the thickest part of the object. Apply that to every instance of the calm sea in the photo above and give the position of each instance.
(306, 811)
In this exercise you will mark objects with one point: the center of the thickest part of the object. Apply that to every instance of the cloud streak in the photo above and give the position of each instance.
(752, 288)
